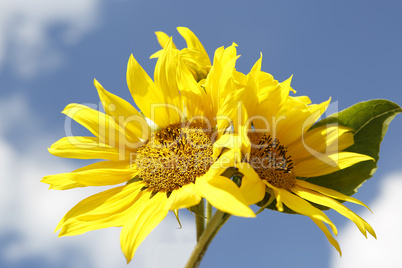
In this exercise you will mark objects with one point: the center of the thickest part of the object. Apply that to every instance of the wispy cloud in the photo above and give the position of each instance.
(29, 212)
(386, 221)
(28, 44)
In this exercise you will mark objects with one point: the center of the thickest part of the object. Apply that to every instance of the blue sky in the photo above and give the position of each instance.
(51, 51)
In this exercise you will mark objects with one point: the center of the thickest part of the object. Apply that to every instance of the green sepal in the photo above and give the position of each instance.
(134, 179)
(233, 174)
(369, 121)
(272, 206)
(196, 211)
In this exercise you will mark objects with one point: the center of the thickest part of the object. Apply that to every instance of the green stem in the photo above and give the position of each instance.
(199, 219)
(208, 213)
(205, 239)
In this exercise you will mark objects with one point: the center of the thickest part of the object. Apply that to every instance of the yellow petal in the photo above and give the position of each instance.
(192, 41)
(97, 174)
(249, 172)
(219, 81)
(61, 182)
(329, 236)
(157, 54)
(267, 83)
(253, 191)
(86, 148)
(228, 141)
(327, 164)
(252, 187)
(277, 192)
(197, 63)
(229, 54)
(147, 96)
(165, 79)
(330, 192)
(184, 197)
(292, 121)
(304, 99)
(134, 125)
(212, 82)
(143, 219)
(163, 39)
(110, 208)
(274, 98)
(237, 145)
(331, 203)
(226, 82)
(196, 101)
(223, 194)
(241, 126)
(321, 140)
(250, 99)
(194, 56)
(99, 124)
(232, 110)
(303, 207)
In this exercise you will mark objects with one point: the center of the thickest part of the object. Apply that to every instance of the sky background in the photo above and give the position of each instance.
(50, 52)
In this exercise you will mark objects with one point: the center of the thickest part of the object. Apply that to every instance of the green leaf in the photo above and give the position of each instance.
(370, 121)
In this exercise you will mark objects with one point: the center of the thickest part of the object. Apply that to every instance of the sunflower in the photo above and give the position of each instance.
(163, 156)
(281, 149)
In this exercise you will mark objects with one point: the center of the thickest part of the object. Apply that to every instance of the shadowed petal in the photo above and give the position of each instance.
(97, 174)
(326, 164)
(143, 219)
(184, 197)
(106, 209)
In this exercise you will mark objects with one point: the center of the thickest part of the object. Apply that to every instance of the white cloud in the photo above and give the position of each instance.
(30, 212)
(27, 44)
(386, 221)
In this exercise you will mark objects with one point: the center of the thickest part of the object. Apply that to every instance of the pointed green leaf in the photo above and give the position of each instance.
(370, 121)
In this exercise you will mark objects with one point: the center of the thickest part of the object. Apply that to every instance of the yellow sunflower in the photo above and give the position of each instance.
(280, 151)
(163, 156)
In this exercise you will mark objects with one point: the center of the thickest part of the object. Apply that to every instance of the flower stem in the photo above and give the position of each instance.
(199, 218)
(208, 212)
(205, 239)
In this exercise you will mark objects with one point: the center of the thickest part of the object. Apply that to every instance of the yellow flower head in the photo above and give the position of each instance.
(163, 157)
(281, 150)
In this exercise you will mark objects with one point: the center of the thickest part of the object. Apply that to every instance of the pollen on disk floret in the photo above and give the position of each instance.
(175, 156)
(271, 161)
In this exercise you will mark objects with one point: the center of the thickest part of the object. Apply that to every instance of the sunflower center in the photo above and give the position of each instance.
(270, 160)
(175, 156)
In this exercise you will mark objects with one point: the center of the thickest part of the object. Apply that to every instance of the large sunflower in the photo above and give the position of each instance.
(281, 150)
(162, 155)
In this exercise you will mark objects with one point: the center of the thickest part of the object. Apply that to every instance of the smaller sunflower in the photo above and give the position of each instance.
(280, 151)
(161, 168)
